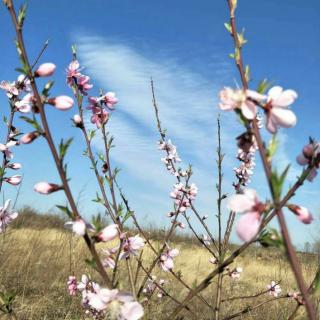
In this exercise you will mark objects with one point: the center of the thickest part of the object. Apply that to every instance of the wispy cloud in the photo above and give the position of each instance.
(188, 109)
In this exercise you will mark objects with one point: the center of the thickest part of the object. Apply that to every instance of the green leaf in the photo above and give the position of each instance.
(232, 55)
(97, 222)
(91, 263)
(63, 148)
(263, 86)
(47, 87)
(277, 181)
(272, 147)
(33, 122)
(66, 210)
(228, 27)
(247, 73)
(22, 14)
(127, 216)
(271, 238)
(316, 286)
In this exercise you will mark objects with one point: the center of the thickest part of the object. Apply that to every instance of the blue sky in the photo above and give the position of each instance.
(183, 45)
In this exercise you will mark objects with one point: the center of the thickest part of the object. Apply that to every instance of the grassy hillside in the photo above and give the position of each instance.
(38, 255)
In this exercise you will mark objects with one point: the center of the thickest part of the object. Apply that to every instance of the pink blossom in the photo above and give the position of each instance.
(29, 137)
(108, 233)
(239, 99)
(274, 289)
(82, 285)
(83, 84)
(304, 215)
(109, 99)
(72, 285)
(99, 117)
(23, 83)
(310, 153)
(6, 215)
(5, 148)
(108, 261)
(61, 102)
(73, 71)
(45, 70)
(206, 240)
(249, 223)
(14, 180)
(278, 114)
(166, 259)
(78, 226)
(213, 260)
(24, 105)
(118, 304)
(46, 187)
(10, 88)
(132, 246)
(235, 273)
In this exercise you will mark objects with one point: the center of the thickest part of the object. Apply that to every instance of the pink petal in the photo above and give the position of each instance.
(286, 98)
(274, 93)
(248, 226)
(302, 160)
(131, 311)
(240, 203)
(249, 110)
(254, 95)
(284, 117)
(271, 126)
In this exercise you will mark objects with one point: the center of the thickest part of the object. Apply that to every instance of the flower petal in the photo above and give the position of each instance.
(248, 226)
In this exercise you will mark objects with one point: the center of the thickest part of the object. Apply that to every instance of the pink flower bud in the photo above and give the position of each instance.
(77, 120)
(15, 166)
(45, 70)
(46, 188)
(61, 102)
(14, 180)
(29, 137)
(108, 233)
(304, 215)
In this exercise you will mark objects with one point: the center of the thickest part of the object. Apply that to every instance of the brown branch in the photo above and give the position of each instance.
(49, 139)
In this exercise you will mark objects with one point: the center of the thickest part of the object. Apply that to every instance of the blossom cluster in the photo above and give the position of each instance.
(247, 147)
(100, 303)
(172, 156)
(310, 155)
(184, 195)
(166, 258)
(274, 289)
(152, 287)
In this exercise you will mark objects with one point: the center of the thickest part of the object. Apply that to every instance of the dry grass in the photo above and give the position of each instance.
(36, 261)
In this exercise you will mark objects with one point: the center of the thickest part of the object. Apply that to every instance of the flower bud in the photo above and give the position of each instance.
(108, 233)
(14, 180)
(77, 121)
(45, 70)
(29, 137)
(61, 102)
(15, 166)
(304, 215)
(46, 188)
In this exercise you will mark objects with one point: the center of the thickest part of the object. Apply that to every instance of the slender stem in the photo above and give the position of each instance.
(5, 160)
(293, 259)
(218, 297)
(133, 287)
(250, 308)
(49, 139)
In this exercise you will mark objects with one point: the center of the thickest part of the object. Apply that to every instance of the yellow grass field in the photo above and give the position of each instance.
(36, 262)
